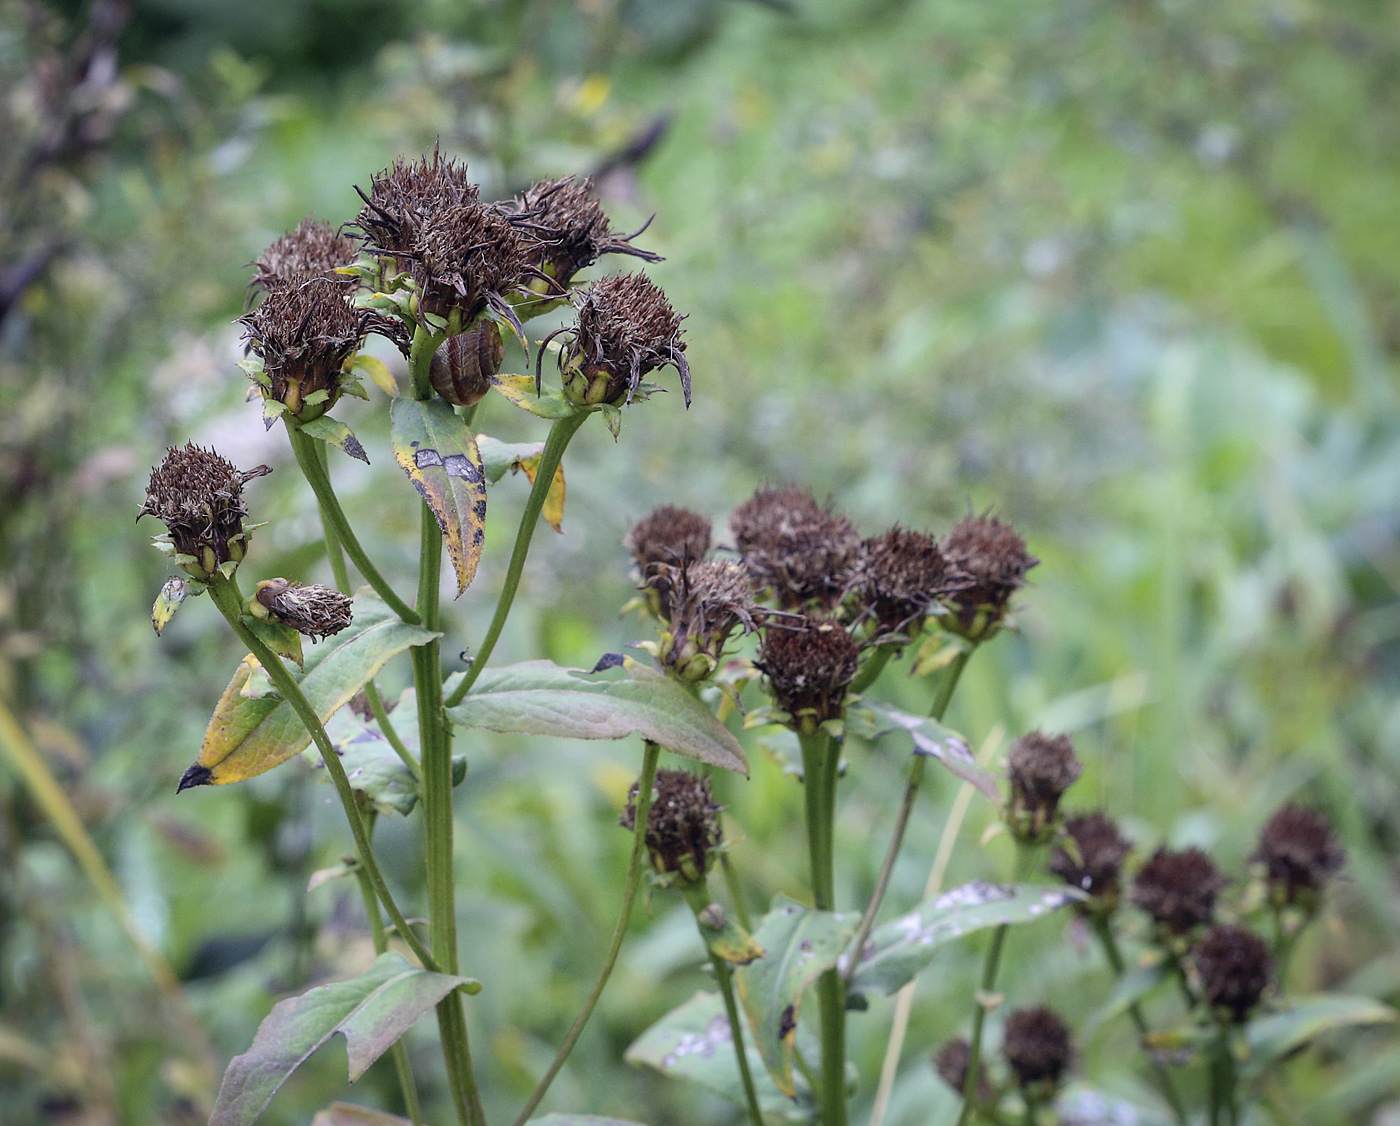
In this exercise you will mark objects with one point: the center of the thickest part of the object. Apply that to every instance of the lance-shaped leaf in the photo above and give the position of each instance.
(333, 433)
(870, 720)
(348, 1114)
(897, 951)
(282, 640)
(695, 1042)
(520, 390)
(800, 944)
(171, 597)
(1272, 1037)
(437, 451)
(371, 1011)
(541, 698)
(377, 370)
(497, 457)
(249, 736)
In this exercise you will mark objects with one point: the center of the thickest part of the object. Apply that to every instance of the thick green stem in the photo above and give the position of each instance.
(736, 893)
(629, 895)
(901, 821)
(559, 436)
(874, 666)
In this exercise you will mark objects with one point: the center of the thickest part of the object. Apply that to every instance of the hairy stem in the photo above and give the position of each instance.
(629, 895)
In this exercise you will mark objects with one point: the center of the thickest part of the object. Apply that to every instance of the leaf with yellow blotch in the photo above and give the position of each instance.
(498, 457)
(520, 390)
(378, 371)
(172, 596)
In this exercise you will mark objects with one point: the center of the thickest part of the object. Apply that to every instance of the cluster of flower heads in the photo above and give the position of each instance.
(821, 595)
(1036, 1047)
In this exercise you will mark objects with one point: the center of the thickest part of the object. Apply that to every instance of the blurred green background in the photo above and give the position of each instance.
(1127, 271)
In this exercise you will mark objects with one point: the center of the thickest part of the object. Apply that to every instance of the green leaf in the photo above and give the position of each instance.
(371, 1011)
(434, 447)
(378, 371)
(497, 457)
(282, 640)
(1133, 986)
(347, 1114)
(541, 698)
(337, 434)
(695, 1042)
(800, 944)
(171, 597)
(871, 720)
(900, 949)
(371, 764)
(520, 390)
(249, 736)
(1272, 1037)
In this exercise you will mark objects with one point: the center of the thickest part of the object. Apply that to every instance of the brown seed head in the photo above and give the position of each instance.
(199, 497)
(1235, 969)
(317, 611)
(1299, 853)
(809, 664)
(902, 572)
(400, 198)
(625, 329)
(313, 250)
(567, 230)
(1096, 860)
(671, 536)
(1041, 767)
(466, 257)
(710, 600)
(951, 1062)
(995, 560)
(796, 548)
(1178, 889)
(683, 823)
(1037, 1047)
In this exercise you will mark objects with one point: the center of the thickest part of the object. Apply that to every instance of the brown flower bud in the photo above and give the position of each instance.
(951, 1062)
(995, 560)
(670, 536)
(401, 197)
(712, 598)
(901, 574)
(199, 497)
(683, 825)
(462, 368)
(1036, 1044)
(1178, 889)
(796, 548)
(1041, 767)
(809, 664)
(1095, 861)
(625, 329)
(1300, 854)
(1235, 969)
(317, 611)
(313, 250)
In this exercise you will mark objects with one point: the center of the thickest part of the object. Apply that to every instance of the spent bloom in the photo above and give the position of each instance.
(709, 600)
(1234, 967)
(995, 560)
(1178, 889)
(1037, 1046)
(313, 250)
(683, 826)
(902, 573)
(317, 611)
(1041, 767)
(665, 539)
(809, 664)
(796, 548)
(1299, 853)
(1091, 859)
(951, 1062)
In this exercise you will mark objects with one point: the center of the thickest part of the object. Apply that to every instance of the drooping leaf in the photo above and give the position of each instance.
(434, 447)
(171, 597)
(898, 950)
(333, 433)
(520, 390)
(695, 1042)
(282, 640)
(1272, 1037)
(800, 944)
(249, 736)
(371, 1011)
(871, 720)
(378, 371)
(347, 1114)
(541, 698)
(498, 457)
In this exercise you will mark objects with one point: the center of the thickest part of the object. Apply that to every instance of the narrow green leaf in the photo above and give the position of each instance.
(434, 447)
(337, 434)
(498, 457)
(372, 1011)
(541, 698)
(1272, 1037)
(378, 371)
(870, 720)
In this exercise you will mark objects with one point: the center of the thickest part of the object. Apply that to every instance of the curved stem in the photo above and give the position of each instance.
(724, 979)
(736, 893)
(559, 435)
(629, 895)
(901, 822)
(874, 666)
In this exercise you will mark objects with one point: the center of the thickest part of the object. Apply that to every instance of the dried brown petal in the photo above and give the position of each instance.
(1041, 768)
(902, 573)
(796, 548)
(1100, 850)
(1299, 852)
(666, 535)
(401, 197)
(809, 664)
(313, 250)
(467, 257)
(712, 598)
(567, 230)
(951, 1062)
(1235, 968)
(994, 558)
(317, 611)
(1036, 1044)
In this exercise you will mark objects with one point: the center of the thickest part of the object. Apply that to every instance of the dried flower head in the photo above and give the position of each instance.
(465, 258)
(1036, 1043)
(1300, 854)
(625, 329)
(199, 497)
(1234, 968)
(951, 1062)
(667, 536)
(902, 572)
(1041, 767)
(683, 824)
(317, 611)
(304, 334)
(1092, 859)
(313, 250)
(796, 548)
(809, 664)
(710, 600)
(402, 197)
(1178, 889)
(994, 558)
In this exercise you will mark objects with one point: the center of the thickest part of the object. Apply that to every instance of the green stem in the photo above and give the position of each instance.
(736, 893)
(629, 896)
(874, 666)
(227, 598)
(901, 822)
(335, 555)
(559, 435)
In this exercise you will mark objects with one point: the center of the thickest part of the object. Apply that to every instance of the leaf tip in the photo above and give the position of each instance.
(196, 775)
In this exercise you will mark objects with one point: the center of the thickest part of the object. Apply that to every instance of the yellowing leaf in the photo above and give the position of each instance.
(171, 596)
(553, 509)
(378, 371)
(520, 390)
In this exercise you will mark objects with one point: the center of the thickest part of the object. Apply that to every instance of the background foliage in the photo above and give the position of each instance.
(1128, 272)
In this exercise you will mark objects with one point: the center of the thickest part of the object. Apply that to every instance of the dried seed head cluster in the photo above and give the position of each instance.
(198, 496)
(304, 334)
(317, 611)
(1036, 1044)
(1300, 854)
(809, 664)
(951, 1062)
(1178, 889)
(625, 329)
(671, 537)
(1041, 767)
(683, 826)
(902, 573)
(313, 250)
(467, 257)
(710, 599)
(1234, 967)
(401, 198)
(994, 558)
(1092, 859)
(796, 548)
